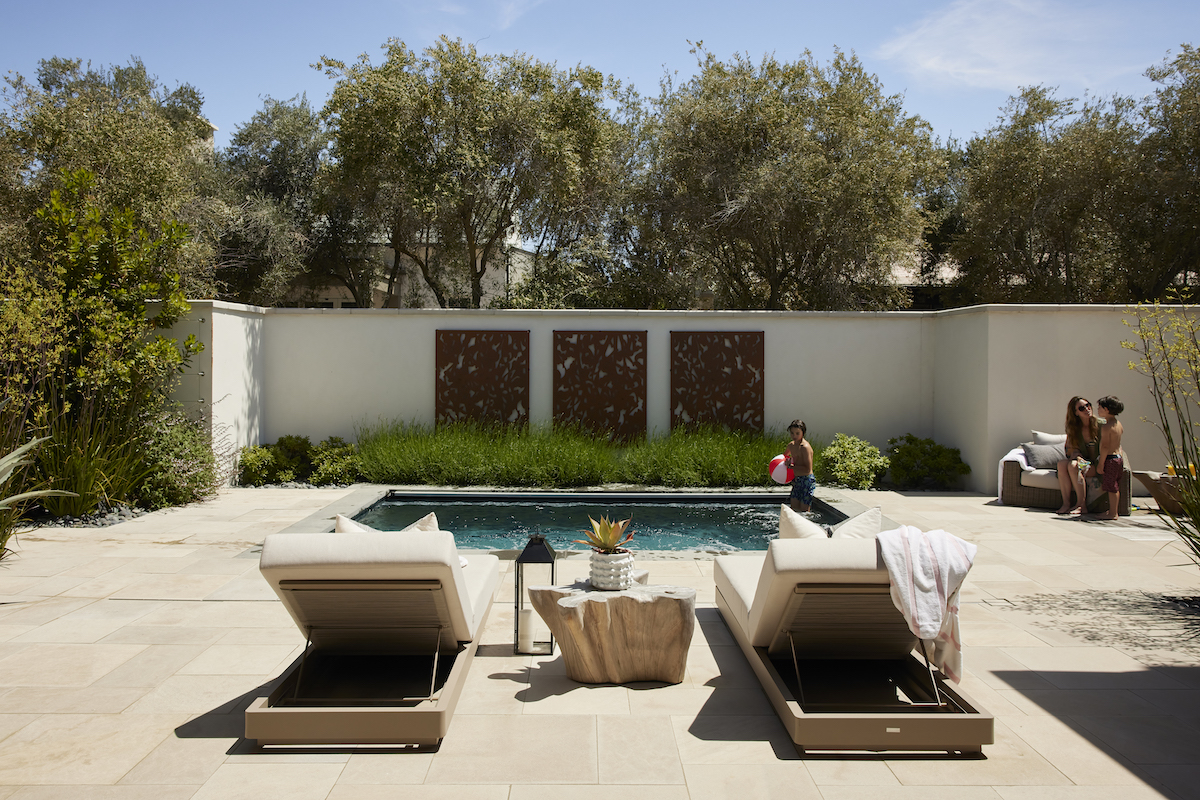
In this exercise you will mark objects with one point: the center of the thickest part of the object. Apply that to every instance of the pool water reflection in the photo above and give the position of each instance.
(677, 524)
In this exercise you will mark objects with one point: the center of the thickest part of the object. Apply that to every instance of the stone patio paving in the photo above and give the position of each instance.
(128, 653)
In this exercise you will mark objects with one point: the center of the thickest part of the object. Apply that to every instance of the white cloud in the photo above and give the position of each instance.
(497, 14)
(1003, 44)
(512, 10)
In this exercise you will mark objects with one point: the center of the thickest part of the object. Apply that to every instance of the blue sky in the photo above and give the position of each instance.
(955, 62)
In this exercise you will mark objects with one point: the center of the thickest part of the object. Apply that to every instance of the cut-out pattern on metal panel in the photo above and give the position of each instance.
(717, 379)
(483, 376)
(600, 381)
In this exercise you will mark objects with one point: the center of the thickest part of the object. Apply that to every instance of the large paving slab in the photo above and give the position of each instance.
(128, 655)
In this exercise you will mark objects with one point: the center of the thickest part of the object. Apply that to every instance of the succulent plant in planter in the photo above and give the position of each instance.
(612, 563)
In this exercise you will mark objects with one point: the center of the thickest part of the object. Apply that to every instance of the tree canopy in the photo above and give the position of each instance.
(450, 152)
(792, 185)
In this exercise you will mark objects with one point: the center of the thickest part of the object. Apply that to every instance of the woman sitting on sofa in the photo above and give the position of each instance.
(1083, 442)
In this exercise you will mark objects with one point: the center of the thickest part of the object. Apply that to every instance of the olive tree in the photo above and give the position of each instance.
(1160, 238)
(147, 148)
(790, 185)
(449, 152)
(1040, 199)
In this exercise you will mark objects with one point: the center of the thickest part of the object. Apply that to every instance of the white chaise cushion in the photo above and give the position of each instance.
(794, 525)
(383, 555)
(736, 577)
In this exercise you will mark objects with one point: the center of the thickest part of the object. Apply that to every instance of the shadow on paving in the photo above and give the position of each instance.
(1126, 619)
(1146, 721)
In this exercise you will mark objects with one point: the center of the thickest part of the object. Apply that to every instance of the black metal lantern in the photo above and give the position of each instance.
(534, 567)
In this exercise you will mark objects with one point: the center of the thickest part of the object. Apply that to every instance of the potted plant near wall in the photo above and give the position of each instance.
(612, 563)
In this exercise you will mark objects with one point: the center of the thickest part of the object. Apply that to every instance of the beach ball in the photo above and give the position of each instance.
(779, 470)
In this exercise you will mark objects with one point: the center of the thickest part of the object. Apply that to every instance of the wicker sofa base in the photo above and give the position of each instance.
(1015, 494)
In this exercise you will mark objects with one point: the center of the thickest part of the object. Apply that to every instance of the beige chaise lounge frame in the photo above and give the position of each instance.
(829, 598)
(378, 593)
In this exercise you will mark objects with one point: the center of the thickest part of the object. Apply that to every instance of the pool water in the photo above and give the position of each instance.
(490, 524)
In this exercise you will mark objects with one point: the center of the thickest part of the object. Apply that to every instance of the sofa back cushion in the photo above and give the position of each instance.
(1044, 456)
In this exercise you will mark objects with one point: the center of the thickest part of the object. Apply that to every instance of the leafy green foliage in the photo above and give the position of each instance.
(462, 149)
(1167, 347)
(468, 454)
(146, 142)
(294, 458)
(12, 506)
(335, 461)
(94, 453)
(180, 464)
(256, 466)
(606, 536)
(1037, 202)
(851, 462)
(790, 184)
(925, 464)
(106, 270)
(703, 456)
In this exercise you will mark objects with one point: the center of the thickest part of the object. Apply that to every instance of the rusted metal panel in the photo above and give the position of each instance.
(482, 376)
(717, 379)
(600, 381)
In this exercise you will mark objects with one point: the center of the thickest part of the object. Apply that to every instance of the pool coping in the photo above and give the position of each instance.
(366, 495)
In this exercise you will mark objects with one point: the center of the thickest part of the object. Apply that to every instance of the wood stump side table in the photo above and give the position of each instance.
(636, 634)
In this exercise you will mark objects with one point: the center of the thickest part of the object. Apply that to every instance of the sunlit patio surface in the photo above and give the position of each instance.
(128, 654)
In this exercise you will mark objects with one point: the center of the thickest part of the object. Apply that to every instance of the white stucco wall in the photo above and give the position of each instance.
(978, 379)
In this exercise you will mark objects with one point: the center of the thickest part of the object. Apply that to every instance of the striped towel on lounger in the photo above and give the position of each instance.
(927, 569)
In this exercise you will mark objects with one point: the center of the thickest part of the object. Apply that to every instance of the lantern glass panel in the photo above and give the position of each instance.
(534, 567)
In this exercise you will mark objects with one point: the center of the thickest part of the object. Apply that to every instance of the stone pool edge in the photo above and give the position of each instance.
(368, 494)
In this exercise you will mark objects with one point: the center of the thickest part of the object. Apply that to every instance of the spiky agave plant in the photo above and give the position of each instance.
(10, 506)
(605, 536)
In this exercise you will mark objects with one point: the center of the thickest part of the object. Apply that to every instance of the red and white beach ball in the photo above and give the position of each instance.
(779, 470)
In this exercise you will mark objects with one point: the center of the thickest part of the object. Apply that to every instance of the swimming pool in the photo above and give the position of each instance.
(661, 521)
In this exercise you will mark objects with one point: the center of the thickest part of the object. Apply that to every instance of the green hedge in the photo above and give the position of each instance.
(470, 454)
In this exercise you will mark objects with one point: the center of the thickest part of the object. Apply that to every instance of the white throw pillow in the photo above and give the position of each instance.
(426, 523)
(793, 525)
(865, 526)
(343, 524)
(1048, 438)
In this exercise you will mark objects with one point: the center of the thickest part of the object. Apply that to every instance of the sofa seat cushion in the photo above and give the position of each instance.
(1040, 479)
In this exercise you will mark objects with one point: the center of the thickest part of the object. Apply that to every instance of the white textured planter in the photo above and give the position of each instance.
(611, 572)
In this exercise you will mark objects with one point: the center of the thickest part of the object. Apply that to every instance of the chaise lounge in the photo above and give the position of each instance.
(815, 619)
(392, 622)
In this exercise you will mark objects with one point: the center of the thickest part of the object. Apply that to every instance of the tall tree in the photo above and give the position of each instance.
(790, 185)
(451, 152)
(268, 219)
(1039, 196)
(147, 147)
(1162, 232)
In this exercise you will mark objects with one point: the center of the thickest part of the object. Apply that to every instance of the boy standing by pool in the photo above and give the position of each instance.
(799, 455)
(1110, 465)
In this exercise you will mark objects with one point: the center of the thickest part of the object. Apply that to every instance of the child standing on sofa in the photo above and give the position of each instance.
(1110, 465)
(799, 455)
